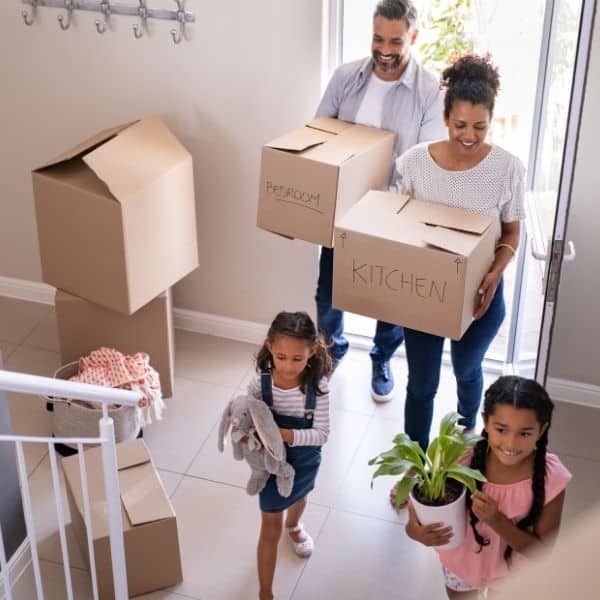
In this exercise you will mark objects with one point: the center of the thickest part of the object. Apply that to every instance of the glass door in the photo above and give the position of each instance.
(534, 44)
(561, 89)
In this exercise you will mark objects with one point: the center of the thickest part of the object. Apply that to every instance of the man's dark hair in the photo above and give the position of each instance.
(397, 9)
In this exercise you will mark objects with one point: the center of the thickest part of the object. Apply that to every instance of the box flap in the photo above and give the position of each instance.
(454, 218)
(143, 495)
(330, 154)
(457, 242)
(330, 125)
(131, 453)
(136, 157)
(299, 140)
(375, 211)
(104, 135)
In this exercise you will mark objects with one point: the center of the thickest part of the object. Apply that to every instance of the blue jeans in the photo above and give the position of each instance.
(330, 321)
(424, 357)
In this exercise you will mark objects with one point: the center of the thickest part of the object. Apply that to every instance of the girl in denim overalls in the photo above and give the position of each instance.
(292, 367)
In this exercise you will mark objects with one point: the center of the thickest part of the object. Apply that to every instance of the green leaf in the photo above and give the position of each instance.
(468, 472)
(404, 488)
(399, 467)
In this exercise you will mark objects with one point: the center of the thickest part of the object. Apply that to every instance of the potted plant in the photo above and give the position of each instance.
(435, 480)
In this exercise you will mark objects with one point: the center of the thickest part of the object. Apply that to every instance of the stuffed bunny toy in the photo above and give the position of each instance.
(263, 449)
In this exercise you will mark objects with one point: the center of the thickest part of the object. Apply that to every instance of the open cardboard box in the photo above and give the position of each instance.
(413, 263)
(149, 524)
(116, 216)
(311, 176)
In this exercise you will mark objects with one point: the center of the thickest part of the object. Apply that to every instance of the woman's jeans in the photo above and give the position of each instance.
(424, 357)
(330, 321)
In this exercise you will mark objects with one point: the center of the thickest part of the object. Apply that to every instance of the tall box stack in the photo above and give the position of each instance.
(311, 176)
(117, 228)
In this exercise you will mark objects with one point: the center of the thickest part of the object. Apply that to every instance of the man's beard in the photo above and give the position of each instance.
(386, 67)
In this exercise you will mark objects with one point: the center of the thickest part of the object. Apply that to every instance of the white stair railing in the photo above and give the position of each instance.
(47, 386)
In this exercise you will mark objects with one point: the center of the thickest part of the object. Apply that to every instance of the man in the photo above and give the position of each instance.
(390, 90)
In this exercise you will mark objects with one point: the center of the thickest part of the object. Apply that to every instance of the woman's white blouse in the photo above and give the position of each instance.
(493, 187)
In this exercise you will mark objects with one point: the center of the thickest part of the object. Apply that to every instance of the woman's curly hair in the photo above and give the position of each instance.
(472, 78)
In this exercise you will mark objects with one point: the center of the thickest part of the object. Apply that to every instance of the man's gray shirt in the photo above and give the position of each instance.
(412, 108)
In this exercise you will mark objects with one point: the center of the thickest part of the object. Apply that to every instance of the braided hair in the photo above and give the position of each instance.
(300, 326)
(522, 394)
(472, 78)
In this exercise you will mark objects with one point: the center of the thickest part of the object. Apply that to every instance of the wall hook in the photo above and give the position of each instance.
(138, 30)
(69, 6)
(102, 26)
(178, 35)
(29, 19)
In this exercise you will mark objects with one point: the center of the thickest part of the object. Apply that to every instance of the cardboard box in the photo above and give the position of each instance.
(84, 326)
(116, 216)
(413, 263)
(310, 177)
(149, 523)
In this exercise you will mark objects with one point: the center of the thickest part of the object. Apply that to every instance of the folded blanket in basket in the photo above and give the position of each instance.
(110, 368)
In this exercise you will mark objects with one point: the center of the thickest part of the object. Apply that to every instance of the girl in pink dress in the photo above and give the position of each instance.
(519, 507)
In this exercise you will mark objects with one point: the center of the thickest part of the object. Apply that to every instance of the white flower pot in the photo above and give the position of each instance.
(453, 515)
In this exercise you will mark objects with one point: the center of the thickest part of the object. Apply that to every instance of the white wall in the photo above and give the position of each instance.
(576, 341)
(250, 72)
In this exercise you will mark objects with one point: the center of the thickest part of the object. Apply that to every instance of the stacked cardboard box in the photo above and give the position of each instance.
(149, 522)
(117, 228)
(311, 176)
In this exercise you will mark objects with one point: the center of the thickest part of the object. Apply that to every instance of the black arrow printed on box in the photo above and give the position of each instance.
(458, 262)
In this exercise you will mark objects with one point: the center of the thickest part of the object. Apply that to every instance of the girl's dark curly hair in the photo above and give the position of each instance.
(300, 326)
(525, 394)
(472, 78)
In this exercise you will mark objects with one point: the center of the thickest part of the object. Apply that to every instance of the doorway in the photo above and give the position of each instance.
(534, 44)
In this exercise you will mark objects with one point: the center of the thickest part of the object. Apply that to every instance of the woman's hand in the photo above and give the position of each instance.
(429, 535)
(287, 435)
(486, 291)
(485, 508)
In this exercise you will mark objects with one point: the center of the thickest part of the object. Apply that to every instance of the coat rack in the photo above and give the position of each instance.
(108, 9)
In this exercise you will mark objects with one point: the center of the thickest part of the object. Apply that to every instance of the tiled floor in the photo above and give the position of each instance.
(361, 549)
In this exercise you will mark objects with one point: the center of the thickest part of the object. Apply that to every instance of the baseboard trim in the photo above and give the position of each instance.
(188, 320)
(225, 327)
(17, 565)
(254, 333)
(573, 392)
(22, 289)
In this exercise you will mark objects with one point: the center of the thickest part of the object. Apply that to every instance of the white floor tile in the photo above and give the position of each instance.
(53, 583)
(356, 494)
(6, 349)
(18, 318)
(45, 516)
(45, 334)
(170, 480)
(218, 528)
(212, 359)
(347, 432)
(358, 558)
(188, 419)
(28, 413)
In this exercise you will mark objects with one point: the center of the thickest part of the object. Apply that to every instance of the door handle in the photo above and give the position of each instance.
(568, 256)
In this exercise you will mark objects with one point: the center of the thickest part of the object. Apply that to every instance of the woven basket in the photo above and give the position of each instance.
(71, 419)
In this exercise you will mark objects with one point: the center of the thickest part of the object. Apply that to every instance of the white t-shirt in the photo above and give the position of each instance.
(494, 187)
(371, 108)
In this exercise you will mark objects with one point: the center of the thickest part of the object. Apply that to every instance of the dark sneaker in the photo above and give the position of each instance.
(382, 381)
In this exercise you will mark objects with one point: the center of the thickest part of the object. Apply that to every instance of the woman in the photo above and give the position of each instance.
(467, 172)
